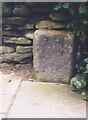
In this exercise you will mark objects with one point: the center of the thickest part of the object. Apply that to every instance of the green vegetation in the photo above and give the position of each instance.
(79, 81)
(78, 24)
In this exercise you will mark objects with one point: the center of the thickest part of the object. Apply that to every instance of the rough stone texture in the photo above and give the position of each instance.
(26, 27)
(58, 16)
(6, 49)
(14, 57)
(52, 55)
(19, 40)
(29, 34)
(47, 24)
(14, 20)
(24, 49)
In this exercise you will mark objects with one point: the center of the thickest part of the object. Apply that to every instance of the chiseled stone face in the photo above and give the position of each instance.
(52, 51)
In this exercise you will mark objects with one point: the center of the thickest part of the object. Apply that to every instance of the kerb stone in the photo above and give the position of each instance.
(52, 51)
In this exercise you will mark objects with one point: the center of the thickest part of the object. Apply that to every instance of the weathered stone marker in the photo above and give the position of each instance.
(52, 52)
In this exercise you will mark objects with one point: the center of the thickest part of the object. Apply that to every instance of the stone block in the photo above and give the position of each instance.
(59, 17)
(28, 26)
(47, 24)
(17, 40)
(14, 57)
(52, 51)
(6, 49)
(29, 34)
(24, 49)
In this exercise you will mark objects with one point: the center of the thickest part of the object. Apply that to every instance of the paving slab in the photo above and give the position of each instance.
(8, 87)
(47, 100)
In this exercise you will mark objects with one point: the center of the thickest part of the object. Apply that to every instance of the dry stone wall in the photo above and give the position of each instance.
(19, 22)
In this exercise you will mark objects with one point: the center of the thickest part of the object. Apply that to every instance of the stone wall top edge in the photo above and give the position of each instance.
(45, 31)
